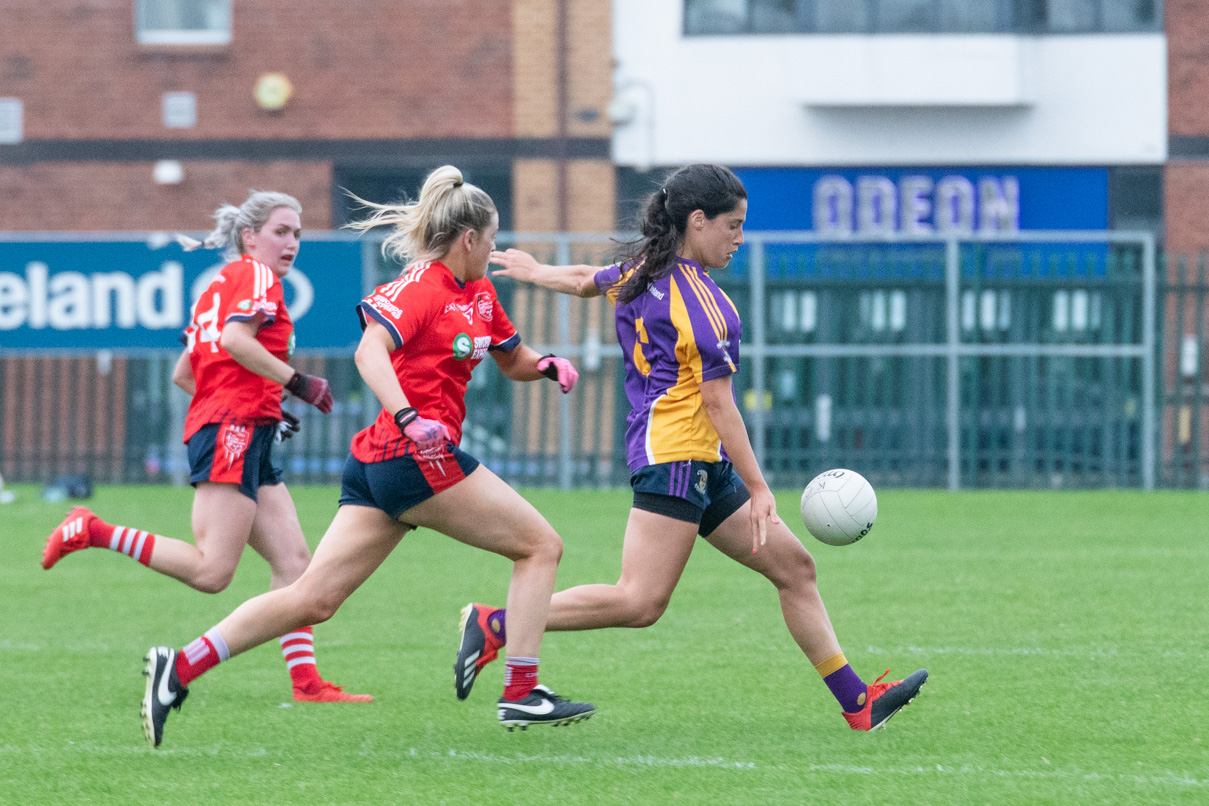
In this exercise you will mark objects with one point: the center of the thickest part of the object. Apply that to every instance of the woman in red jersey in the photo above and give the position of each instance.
(234, 366)
(423, 334)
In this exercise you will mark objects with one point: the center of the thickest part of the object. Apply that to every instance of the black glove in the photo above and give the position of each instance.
(312, 389)
(288, 427)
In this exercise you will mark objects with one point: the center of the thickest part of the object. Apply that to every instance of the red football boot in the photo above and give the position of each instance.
(328, 692)
(884, 700)
(70, 535)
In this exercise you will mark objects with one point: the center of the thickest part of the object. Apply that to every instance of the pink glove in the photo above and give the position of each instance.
(560, 370)
(312, 389)
(429, 435)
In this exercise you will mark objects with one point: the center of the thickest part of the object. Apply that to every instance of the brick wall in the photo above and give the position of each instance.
(364, 69)
(1186, 180)
(123, 196)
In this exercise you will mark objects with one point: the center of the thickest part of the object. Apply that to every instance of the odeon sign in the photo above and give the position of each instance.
(877, 206)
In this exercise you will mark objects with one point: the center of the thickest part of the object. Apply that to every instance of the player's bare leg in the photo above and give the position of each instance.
(277, 536)
(222, 522)
(786, 563)
(357, 542)
(484, 512)
(653, 556)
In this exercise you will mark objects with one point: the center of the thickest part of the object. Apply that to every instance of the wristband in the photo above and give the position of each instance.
(551, 371)
(405, 417)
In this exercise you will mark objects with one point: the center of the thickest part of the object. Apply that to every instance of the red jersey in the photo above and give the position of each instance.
(442, 329)
(246, 290)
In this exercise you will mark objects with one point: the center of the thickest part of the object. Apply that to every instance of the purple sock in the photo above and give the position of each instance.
(495, 623)
(847, 688)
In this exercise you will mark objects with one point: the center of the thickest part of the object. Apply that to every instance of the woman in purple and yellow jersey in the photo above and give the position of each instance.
(691, 465)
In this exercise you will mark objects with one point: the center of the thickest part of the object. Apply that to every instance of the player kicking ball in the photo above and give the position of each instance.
(692, 468)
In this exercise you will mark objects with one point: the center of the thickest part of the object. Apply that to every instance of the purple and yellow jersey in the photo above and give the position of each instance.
(683, 330)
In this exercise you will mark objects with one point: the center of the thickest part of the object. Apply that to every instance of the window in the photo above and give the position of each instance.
(182, 22)
(705, 17)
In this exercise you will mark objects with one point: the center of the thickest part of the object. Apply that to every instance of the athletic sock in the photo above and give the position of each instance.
(201, 656)
(298, 649)
(497, 623)
(844, 683)
(124, 539)
(520, 676)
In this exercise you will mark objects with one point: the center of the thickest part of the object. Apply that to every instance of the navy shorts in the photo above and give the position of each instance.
(396, 485)
(234, 454)
(705, 493)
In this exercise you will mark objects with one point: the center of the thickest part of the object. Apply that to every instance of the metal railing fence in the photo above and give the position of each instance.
(1043, 361)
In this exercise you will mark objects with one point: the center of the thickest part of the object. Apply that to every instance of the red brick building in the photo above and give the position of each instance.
(93, 93)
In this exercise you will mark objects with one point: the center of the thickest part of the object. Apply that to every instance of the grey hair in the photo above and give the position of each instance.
(426, 228)
(231, 221)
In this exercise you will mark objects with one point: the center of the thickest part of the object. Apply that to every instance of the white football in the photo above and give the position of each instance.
(839, 507)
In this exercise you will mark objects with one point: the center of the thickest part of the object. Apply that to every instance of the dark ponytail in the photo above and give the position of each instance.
(713, 189)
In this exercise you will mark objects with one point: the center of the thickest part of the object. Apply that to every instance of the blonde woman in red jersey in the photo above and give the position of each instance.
(423, 334)
(234, 366)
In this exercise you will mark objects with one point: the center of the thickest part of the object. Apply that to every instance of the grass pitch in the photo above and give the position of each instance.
(1067, 636)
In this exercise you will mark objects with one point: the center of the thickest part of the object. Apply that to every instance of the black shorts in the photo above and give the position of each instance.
(234, 454)
(705, 493)
(396, 485)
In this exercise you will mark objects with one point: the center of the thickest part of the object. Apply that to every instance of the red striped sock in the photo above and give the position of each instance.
(200, 656)
(520, 676)
(124, 539)
(298, 649)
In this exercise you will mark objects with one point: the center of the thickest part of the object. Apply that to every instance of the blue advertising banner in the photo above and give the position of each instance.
(133, 295)
(853, 207)
(881, 202)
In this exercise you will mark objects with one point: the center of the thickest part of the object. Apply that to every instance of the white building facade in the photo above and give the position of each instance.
(911, 110)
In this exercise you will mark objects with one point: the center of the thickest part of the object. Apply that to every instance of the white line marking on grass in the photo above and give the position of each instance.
(1069, 652)
(617, 761)
(1163, 777)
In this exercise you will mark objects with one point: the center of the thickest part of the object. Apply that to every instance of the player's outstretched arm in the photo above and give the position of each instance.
(524, 364)
(718, 398)
(573, 280)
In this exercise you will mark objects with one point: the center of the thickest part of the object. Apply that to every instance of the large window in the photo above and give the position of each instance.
(920, 16)
(182, 22)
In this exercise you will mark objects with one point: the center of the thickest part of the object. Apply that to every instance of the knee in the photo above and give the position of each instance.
(318, 606)
(213, 580)
(795, 571)
(544, 545)
(293, 564)
(647, 611)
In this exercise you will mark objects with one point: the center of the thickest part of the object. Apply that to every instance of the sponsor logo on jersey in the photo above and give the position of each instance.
(656, 293)
(463, 346)
(486, 309)
(465, 310)
(481, 345)
(386, 306)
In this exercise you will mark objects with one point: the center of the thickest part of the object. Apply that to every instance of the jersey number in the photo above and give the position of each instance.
(206, 328)
(640, 361)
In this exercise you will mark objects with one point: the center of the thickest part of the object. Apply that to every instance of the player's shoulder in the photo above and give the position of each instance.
(246, 269)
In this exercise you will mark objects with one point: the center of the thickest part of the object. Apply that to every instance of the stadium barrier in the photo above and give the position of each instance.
(1043, 360)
